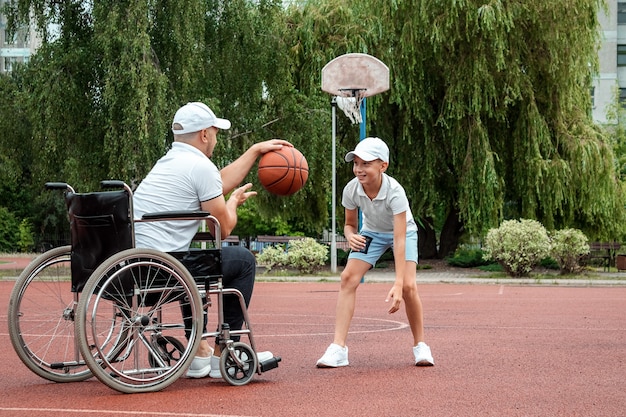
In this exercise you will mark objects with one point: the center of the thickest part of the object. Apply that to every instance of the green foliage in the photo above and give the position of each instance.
(9, 231)
(549, 263)
(306, 255)
(26, 241)
(568, 247)
(272, 256)
(467, 257)
(490, 98)
(517, 245)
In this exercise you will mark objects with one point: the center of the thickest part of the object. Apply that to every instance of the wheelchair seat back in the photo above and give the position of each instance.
(100, 226)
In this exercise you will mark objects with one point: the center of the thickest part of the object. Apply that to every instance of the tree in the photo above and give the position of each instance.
(100, 93)
(491, 100)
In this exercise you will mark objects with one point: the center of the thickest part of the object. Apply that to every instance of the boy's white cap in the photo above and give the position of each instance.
(193, 117)
(369, 149)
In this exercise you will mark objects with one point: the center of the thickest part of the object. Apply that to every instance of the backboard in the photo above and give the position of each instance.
(355, 75)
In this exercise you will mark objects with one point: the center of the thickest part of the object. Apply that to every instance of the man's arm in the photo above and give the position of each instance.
(234, 173)
(226, 211)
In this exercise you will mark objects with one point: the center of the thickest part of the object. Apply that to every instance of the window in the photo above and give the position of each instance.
(592, 92)
(621, 13)
(621, 55)
(622, 97)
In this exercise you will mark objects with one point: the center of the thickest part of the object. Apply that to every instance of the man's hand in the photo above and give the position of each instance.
(270, 145)
(395, 295)
(241, 194)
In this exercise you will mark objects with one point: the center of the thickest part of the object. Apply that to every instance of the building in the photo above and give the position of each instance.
(16, 48)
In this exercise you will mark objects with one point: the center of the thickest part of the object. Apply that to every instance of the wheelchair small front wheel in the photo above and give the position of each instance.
(238, 364)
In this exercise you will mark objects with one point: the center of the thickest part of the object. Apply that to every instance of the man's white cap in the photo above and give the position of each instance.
(369, 149)
(193, 117)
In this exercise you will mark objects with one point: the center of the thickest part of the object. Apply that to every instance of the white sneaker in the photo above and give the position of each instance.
(423, 357)
(215, 363)
(334, 357)
(200, 367)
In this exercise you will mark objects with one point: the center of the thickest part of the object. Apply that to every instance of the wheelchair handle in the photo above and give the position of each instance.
(112, 184)
(59, 186)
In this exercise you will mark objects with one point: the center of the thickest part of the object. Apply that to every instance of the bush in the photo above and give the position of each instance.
(517, 245)
(9, 231)
(26, 241)
(467, 257)
(305, 254)
(272, 256)
(568, 247)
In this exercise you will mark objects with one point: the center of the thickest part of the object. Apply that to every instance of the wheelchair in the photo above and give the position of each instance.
(131, 317)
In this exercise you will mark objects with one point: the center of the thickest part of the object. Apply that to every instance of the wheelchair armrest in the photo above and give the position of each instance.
(175, 214)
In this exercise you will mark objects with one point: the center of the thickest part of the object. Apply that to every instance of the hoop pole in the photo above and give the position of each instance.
(362, 135)
(333, 238)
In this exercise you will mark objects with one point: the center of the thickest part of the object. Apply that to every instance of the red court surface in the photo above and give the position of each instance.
(500, 350)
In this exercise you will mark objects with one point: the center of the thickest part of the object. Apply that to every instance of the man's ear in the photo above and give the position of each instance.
(383, 166)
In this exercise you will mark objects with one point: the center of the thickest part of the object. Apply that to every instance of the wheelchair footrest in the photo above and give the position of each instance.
(270, 363)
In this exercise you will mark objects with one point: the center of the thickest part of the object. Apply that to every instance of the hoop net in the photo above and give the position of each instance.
(351, 105)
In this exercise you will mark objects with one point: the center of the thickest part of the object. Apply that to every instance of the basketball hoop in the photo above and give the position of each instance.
(349, 79)
(351, 105)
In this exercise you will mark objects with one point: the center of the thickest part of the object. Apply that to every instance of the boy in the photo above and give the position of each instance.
(387, 222)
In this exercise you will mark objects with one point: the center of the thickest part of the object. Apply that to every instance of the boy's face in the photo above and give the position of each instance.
(368, 172)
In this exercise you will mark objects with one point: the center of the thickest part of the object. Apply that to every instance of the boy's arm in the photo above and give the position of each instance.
(351, 230)
(399, 255)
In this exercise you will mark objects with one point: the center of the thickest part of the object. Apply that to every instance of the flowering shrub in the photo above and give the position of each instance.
(272, 256)
(568, 247)
(305, 254)
(517, 245)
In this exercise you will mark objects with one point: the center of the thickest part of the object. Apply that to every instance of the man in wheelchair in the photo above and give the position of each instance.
(185, 178)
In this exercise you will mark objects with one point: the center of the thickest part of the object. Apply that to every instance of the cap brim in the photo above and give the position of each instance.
(222, 124)
(363, 155)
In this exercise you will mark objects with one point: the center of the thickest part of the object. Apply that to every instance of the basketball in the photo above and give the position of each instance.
(283, 172)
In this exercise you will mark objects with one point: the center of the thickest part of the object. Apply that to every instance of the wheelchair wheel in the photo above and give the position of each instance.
(238, 363)
(41, 319)
(130, 312)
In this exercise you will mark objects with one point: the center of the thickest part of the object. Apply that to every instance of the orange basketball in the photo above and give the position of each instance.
(283, 172)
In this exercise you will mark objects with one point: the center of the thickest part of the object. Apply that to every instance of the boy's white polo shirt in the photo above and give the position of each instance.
(179, 181)
(377, 214)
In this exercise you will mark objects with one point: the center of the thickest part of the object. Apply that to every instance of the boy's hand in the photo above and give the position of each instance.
(357, 242)
(395, 294)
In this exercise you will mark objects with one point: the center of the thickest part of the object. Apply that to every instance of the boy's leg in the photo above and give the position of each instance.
(413, 303)
(415, 315)
(337, 353)
(346, 300)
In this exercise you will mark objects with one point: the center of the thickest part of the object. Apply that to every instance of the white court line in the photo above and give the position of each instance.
(397, 325)
(501, 291)
(115, 412)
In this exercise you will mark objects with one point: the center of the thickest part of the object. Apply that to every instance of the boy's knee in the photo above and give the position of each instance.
(349, 281)
(409, 290)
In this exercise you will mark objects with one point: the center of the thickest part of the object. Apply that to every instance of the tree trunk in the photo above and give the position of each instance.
(427, 242)
(450, 234)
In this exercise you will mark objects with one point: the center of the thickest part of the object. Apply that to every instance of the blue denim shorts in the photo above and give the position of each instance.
(383, 241)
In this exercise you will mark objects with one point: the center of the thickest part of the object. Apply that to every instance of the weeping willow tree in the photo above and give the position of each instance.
(494, 111)
(100, 93)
